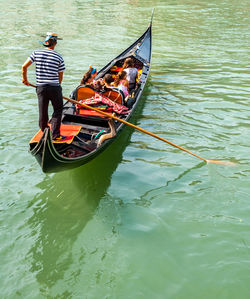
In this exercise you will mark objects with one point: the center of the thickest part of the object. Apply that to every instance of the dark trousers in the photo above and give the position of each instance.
(45, 94)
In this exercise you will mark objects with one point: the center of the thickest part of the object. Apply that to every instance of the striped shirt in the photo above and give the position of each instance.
(48, 64)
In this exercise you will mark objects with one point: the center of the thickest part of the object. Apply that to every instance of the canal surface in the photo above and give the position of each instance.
(144, 220)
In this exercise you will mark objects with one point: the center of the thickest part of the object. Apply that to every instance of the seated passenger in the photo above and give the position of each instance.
(122, 83)
(98, 85)
(131, 71)
(102, 84)
(108, 80)
(89, 76)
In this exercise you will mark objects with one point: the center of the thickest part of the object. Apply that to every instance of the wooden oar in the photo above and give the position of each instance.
(146, 132)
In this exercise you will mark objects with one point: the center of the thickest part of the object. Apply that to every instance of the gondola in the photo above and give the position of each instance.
(83, 127)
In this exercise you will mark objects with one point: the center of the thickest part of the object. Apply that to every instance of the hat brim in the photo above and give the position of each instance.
(52, 37)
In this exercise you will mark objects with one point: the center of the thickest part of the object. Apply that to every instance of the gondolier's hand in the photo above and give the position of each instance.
(25, 82)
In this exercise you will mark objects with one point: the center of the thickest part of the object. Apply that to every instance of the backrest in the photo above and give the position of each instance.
(114, 95)
(83, 92)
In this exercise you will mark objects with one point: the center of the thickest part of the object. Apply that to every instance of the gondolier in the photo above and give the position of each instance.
(49, 75)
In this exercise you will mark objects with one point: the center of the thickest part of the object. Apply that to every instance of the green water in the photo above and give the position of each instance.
(144, 220)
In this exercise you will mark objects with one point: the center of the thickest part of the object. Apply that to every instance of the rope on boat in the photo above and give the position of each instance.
(84, 142)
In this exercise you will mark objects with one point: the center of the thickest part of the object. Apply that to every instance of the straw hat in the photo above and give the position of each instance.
(50, 35)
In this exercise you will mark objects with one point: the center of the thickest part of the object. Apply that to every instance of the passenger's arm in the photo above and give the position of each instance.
(137, 77)
(126, 83)
(25, 66)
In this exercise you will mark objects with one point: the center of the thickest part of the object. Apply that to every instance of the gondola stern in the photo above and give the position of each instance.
(41, 151)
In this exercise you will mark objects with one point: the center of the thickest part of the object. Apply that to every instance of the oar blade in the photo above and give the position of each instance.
(221, 162)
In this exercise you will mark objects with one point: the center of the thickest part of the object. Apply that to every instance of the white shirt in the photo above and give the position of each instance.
(131, 74)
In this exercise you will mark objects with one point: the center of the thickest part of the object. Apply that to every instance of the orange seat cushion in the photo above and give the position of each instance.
(70, 131)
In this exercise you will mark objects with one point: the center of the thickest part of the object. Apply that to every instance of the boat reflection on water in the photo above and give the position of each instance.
(61, 211)
(66, 203)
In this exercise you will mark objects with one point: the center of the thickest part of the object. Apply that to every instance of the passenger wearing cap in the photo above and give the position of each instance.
(89, 76)
(49, 75)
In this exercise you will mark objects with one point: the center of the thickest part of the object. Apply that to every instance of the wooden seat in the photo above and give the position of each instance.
(83, 93)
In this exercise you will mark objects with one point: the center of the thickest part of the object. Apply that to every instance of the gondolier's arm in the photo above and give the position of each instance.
(25, 66)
